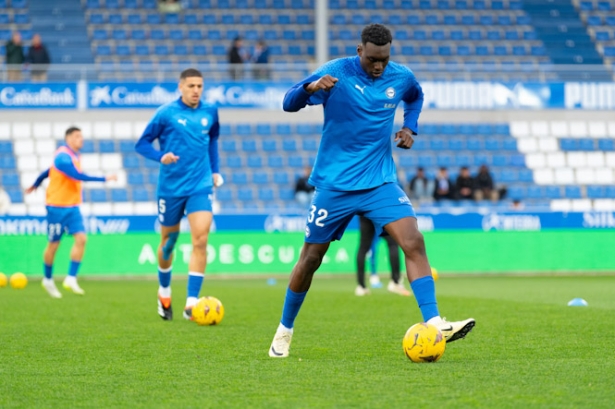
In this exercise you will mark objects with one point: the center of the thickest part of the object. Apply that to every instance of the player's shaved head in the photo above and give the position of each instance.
(376, 34)
(189, 73)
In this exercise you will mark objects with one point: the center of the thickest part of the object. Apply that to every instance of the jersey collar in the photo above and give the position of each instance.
(181, 104)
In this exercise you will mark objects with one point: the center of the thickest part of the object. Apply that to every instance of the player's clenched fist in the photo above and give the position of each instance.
(324, 83)
(169, 158)
(404, 138)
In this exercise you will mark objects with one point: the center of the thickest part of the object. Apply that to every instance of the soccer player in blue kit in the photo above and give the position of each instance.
(188, 131)
(354, 172)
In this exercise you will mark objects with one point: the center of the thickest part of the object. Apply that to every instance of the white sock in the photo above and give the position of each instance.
(47, 281)
(435, 320)
(164, 292)
(281, 327)
(70, 279)
(191, 301)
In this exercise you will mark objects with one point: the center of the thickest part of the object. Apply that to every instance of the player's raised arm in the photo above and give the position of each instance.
(150, 134)
(64, 164)
(44, 175)
(307, 92)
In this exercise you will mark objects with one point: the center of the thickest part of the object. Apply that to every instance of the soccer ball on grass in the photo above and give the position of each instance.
(19, 281)
(208, 311)
(3, 280)
(424, 343)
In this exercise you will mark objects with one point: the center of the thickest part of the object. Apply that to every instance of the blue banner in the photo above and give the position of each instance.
(40, 96)
(152, 95)
(280, 222)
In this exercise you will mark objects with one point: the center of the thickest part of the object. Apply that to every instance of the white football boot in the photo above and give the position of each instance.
(50, 286)
(361, 291)
(398, 288)
(70, 284)
(280, 346)
(453, 330)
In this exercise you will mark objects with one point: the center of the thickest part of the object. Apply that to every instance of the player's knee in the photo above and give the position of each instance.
(413, 243)
(80, 240)
(311, 261)
(199, 241)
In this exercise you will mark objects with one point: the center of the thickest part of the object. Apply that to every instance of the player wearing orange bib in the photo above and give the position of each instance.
(63, 197)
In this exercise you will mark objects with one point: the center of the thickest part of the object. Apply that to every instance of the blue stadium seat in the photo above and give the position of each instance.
(6, 148)
(135, 178)
(480, 159)
(526, 175)
(119, 195)
(122, 50)
(500, 160)
(115, 18)
(445, 160)
(517, 160)
(553, 192)
(140, 194)
(10, 179)
(260, 178)
(436, 144)
(535, 192)
(243, 129)
(176, 34)
(309, 145)
(248, 145)
(606, 144)
(517, 192)
(172, 18)
(426, 161)
(289, 145)
(138, 34)
(573, 192)
(103, 50)
(596, 192)
(106, 146)
(97, 18)
(130, 4)
(161, 50)
(295, 161)
(157, 34)
(239, 178)
(462, 160)
(228, 146)
(610, 192)
(265, 194)
(224, 195)
(98, 195)
(127, 147)
(99, 35)
(269, 145)
(420, 145)
(286, 194)
(142, 49)
(255, 161)
(275, 161)
(134, 19)
(15, 194)
(245, 194)
(234, 161)
(281, 178)
(153, 19)
(586, 144)
(88, 146)
(21, 19)
(474, 144)
(7, 162)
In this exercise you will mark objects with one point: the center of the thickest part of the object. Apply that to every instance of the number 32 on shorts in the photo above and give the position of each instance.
(322, 215)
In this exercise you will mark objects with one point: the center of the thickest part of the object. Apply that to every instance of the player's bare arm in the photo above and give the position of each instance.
(30, 189)
(110, 178)
(324, 83)
(404, 138)
(169, 158)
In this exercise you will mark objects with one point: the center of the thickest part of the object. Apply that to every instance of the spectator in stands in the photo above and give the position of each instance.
(484, 186)
(517, 205)
(237, 57)
(464, 187)
(303, 190)
(5, 201)
(14, 57)
(421, 188)
(260, 60)
(39, 58)
(443, 187)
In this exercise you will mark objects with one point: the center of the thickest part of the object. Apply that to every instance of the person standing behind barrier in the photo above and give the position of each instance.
(367, 233)
(260, 58)
(14, 57)
(39, 58)
(236, 57)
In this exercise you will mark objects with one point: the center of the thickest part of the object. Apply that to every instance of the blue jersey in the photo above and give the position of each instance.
(190, 133)
(355, 151)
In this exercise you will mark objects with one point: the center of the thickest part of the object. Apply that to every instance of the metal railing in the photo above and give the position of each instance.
(169, 71)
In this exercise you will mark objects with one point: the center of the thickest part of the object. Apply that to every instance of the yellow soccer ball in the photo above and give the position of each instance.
(424, 343)
(3, 280)
(19, 281)
(434, 274)
(208, 311)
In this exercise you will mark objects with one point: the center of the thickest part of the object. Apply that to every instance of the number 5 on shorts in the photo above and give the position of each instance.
(162, 206)
(322, 215)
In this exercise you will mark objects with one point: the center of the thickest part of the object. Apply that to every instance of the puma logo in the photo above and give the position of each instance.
(182, 121)
(360, 88)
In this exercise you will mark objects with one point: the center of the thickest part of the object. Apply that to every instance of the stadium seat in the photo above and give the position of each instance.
(239, 178)
(119, 195)
(141, 195)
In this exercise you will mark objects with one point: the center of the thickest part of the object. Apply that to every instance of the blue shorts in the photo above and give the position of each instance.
(331, 211)
(172, 209)
(63, 219)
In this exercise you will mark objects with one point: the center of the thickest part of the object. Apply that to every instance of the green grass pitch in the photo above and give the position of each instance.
(110, 349)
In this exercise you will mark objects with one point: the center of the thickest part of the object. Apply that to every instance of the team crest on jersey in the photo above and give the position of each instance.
(307, 231)
(390, 92)
(204, 122)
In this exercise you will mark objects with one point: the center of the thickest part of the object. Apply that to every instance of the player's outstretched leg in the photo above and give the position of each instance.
(406, 234)
(76, 254)
(300, 280)
(168, 238)
(48, 284)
